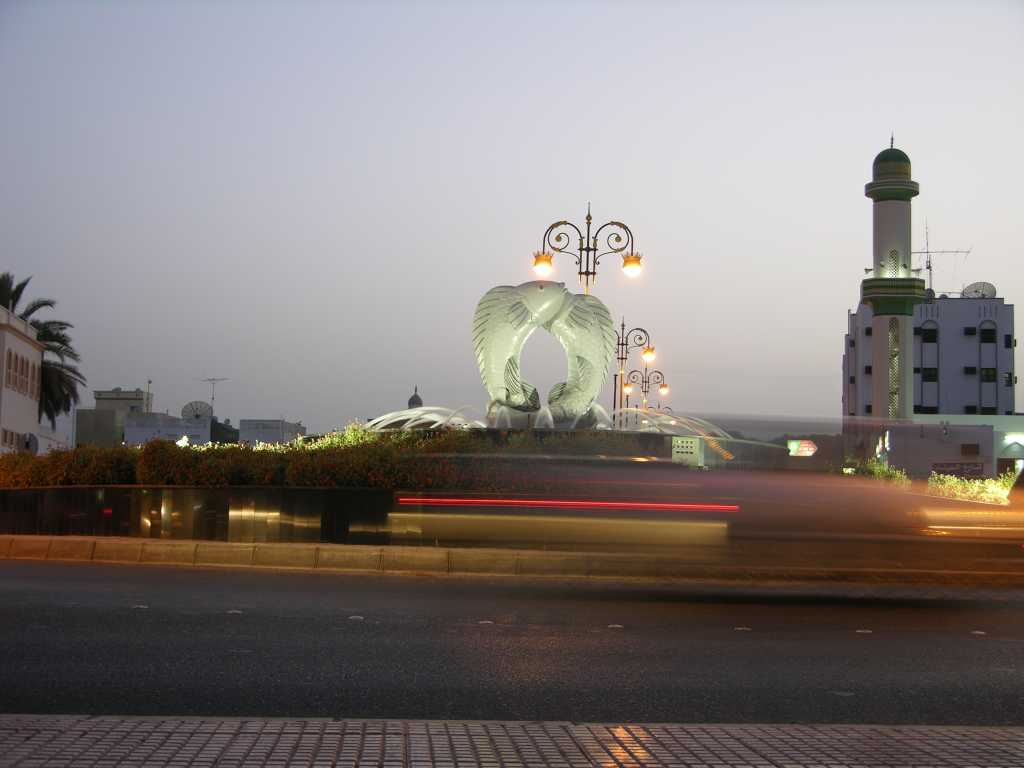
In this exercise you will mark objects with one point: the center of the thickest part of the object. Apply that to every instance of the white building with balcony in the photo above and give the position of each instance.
(21, 355)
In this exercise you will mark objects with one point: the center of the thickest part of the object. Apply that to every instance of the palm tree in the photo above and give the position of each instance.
(59, 377)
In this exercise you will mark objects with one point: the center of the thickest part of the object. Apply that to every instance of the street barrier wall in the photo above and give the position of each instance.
(238, 513)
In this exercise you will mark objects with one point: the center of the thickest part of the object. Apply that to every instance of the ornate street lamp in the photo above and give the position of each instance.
(645, 379)
(610, 237)
(626, 342)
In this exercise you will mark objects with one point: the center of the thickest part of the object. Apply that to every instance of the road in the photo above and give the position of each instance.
(150, 640)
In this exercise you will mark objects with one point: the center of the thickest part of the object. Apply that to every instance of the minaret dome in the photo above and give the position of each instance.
(416, 401)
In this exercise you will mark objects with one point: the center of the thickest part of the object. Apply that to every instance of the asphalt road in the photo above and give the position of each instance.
(146, 640)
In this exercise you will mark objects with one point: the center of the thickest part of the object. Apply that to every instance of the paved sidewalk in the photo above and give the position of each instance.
(70, 741)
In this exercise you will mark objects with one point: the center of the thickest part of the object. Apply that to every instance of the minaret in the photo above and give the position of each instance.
(891, 290)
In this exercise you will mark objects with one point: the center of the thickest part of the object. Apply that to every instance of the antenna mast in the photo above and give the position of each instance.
(928, 253)
(212, 381)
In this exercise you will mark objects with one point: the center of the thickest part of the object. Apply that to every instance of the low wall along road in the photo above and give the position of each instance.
(444, 561)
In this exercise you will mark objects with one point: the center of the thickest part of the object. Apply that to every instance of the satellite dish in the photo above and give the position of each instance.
(979, 291)
(197, 409)
(30, 443)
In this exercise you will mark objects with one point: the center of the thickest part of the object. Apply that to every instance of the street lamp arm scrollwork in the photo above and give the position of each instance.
(645, 378)
(589, 246)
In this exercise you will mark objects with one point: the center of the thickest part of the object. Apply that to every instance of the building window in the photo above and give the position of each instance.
(853, 343)
(1008, 340)
(1009, 379)
(988, 375)
(917, 369)
(988, 335)
(970, 449)
(867, 409)
(928, 409)
(853, 379)
(930, 335)
(970, 409)
(971, 370)
(867, 369)
(970, 330)
(989, 410)
(867, 331)
(917, 330)
(929, 374)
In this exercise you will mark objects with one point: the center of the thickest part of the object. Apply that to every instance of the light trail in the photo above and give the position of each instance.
(437, 501)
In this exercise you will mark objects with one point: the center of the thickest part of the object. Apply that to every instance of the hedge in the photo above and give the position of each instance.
(988, 490)
(354, 457)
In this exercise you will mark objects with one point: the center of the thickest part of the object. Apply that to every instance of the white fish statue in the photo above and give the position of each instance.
(508, 315)
(586, 330)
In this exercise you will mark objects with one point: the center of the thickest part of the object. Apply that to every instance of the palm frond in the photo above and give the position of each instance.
(34, 306)
(16, 294)
(59, 384)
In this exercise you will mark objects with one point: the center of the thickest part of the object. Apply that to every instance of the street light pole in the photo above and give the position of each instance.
(625, 342)
(558, 238)
(645, 379)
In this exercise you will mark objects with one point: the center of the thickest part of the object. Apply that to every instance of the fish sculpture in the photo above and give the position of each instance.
(586, 331)
(505, 319)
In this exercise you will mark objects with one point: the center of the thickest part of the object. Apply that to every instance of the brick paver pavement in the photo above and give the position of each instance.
(72, 741)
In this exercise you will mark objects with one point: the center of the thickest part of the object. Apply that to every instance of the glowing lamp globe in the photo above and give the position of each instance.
(627, 389)
(663, 390)
(542, 265)
(647, 355)
(631, 264)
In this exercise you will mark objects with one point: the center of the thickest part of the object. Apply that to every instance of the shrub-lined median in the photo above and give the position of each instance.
(352, 458)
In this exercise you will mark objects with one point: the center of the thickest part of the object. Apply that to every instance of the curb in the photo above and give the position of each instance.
(359, 558)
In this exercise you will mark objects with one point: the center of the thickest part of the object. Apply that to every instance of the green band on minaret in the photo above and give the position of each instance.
(892, 295)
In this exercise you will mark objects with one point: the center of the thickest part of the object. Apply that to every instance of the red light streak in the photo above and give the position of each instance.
(660, 506)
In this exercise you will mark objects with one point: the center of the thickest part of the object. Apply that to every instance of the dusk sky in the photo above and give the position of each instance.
(310, 198)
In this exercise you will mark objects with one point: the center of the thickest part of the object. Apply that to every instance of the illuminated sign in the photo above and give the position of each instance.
(802, 448)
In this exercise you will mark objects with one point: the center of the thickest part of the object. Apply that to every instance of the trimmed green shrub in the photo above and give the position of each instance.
(879, 470)
(988, 490)
(353, 457)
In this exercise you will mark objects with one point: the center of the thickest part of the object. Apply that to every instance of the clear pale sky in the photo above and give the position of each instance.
(310, 198)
